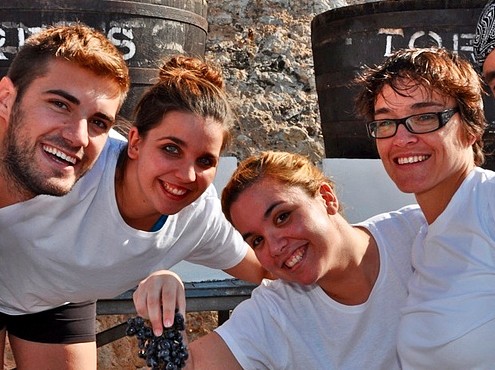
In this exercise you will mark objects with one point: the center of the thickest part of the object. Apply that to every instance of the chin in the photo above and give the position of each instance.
(57, 189)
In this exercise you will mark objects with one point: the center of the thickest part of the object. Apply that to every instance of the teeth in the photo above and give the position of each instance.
(295, 258)
(173, 190)
(59, 154)
(412, 159)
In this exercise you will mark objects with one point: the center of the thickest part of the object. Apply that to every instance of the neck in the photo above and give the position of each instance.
(356, 280)
(434, 201)
(131, 207)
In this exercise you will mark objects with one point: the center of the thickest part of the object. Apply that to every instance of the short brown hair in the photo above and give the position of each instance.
(435, 69)
(288, 168)
(77, 43)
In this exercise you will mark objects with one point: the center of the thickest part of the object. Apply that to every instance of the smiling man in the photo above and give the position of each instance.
(425, 111)
(58, 102)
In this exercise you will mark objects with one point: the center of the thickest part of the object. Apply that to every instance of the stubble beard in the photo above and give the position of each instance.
(20, 166)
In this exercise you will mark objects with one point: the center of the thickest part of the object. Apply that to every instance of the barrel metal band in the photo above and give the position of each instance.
(113, 7)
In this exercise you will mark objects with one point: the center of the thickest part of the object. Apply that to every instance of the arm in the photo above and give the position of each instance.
(156, 298)
(249, 269)
(211, 353)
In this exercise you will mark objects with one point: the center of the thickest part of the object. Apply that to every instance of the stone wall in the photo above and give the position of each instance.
(264, 47)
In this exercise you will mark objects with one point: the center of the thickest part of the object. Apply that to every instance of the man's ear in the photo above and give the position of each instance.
(331, 201)
(7, 99)
(133, 143)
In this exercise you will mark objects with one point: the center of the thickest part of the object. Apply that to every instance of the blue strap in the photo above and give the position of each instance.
(159, 223)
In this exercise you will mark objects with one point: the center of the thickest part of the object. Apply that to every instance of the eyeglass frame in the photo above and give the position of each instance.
(443, 118)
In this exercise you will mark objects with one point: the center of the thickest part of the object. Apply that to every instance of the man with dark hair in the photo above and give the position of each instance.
(58, 102)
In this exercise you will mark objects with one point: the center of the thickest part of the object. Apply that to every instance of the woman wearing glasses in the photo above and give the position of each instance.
(427, 118)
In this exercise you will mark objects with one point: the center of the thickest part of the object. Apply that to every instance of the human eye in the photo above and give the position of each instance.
(281, 218)
(207, 162)
(425, 117)
(171, 149)
(383, 127)
(58, 104)
(255, 241)
(424, 121)
(384, 123)
(102, 125)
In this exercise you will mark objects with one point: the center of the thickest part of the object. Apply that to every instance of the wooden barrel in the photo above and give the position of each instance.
(345, 39)
(144, 30)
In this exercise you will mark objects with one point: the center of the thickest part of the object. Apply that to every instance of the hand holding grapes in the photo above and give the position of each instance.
(157, 297)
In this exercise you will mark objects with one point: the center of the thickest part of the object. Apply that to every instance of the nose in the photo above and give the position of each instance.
(186, 172)
(276, 243)
(76, 133)
(403, 137)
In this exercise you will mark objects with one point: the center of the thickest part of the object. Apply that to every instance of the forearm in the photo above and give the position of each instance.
(211, 353)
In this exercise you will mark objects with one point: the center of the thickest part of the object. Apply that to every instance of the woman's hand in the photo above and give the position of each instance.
(157, 297)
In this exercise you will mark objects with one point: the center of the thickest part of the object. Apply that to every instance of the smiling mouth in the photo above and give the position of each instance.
(60, 155)
(412, 159)
(173, 190)
(295, 258)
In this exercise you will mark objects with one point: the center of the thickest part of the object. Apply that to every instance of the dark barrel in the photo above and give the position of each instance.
(144, 30)
(345, 39)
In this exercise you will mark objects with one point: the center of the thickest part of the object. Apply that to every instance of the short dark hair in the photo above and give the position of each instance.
(435, 69)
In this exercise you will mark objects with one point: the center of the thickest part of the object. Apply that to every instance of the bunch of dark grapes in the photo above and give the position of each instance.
(166, 352)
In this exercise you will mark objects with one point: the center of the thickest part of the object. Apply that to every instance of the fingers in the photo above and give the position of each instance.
(157, 297)
(155, 311)
(169, 305)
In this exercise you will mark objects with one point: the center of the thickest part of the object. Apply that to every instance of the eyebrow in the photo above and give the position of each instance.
(65, 95)
(105, 117)
(172, 138)
(426, 104)
(265, 216)
(76, 101)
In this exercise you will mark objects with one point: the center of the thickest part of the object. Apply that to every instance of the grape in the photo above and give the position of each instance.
(165, 352)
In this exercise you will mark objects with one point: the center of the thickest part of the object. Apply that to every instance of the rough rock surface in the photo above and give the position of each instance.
(264, 47)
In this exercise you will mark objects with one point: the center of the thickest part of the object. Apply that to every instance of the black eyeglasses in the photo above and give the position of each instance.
(417, 124)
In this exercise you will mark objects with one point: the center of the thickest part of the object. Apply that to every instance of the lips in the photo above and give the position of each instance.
(296, 257)
(412, 159)
(174, 190)
(60, 155)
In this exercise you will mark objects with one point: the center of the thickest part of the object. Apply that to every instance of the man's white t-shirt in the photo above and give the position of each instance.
(76, 248)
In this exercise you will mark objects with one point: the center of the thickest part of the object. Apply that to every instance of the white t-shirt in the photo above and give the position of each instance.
(449, 319)
(75, 248)
(289, 326)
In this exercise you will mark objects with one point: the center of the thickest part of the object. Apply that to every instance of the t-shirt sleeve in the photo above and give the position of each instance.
(221, 245)
(247, 333)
